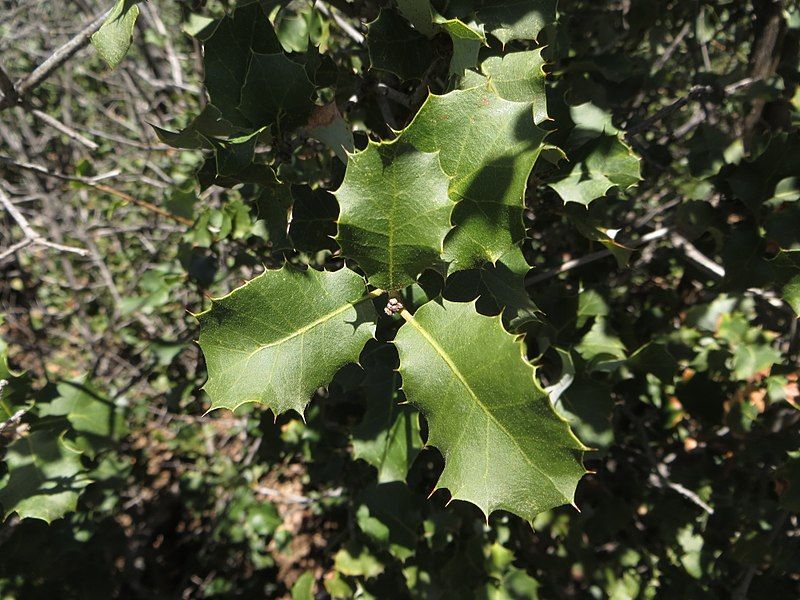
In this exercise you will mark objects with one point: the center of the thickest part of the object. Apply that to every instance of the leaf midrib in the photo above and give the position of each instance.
(306, 328)
(454, 368)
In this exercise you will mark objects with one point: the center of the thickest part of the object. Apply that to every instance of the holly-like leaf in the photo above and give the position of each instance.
(313, 219)
(389, 514)
(598, 166)
(282, 335)
(394, 46)
(275, 87)
(510, 19)
(503, 444)
(328, 126)
(15, 391)
(114, 37)
(394, 212)
(95, 420)
(467, 41)
(228, 51)
(488, 145)
(499, 287)
(519, 77)
(388, 437)
(419, 14)
(45, 477)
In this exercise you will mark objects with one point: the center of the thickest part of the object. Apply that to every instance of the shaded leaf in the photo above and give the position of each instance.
(397, 48)
(488, 145)
(45, 477)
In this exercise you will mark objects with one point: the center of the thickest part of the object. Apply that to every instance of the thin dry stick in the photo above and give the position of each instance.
(590, 258)
(26, 85)
(351, 31)
(98, 186)
(65, 129)
(31, 236)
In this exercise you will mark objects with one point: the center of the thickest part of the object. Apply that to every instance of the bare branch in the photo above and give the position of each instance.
(590, 258)
(31, 236)
(92, 182)
(66, 130)
(331, 13)
(62, 54)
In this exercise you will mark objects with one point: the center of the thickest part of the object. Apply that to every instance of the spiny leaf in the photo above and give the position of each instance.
(518, 76)
(95, 420)
(467, 41)
(227, 53)
(275, 87)
(508, 19)
(45, 478)
(488, 145)
(328, 126)
(598, 166)
(394, 212)
(390, 514)
(499, 287)
(113, 38)
(503, 444)
(282, 335)
(419, 14)
(388, 437)
(397, 48)
(516, 19)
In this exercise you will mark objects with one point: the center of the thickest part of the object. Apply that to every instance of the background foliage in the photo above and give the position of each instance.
(652, 271)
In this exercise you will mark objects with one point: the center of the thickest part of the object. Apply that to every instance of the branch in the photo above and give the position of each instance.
(351, 31)
(92, 182)
(65, 129)
(696, 92)
(25, 86)
(594, 256)
(31, 236)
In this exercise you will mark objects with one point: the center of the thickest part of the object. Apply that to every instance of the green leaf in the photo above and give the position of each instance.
(272, 207)
(397, 48)
(282, 335)
(15, 393)
(419, 14)
(355, 560)
(227, 54)
(598, 166)
(499, 287)
(519, 77)
(390, 514)
(388, 437)
(515, 19)
(95, 420)
(505, 284)
(601, 347)
(503, 444)
(114, 37)
(303, 588)
(751, 359)
(45, 477)
(275, 87)
(394, 212)
(313, 219)
(488, 145)
(467, 41)
(328, 126)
